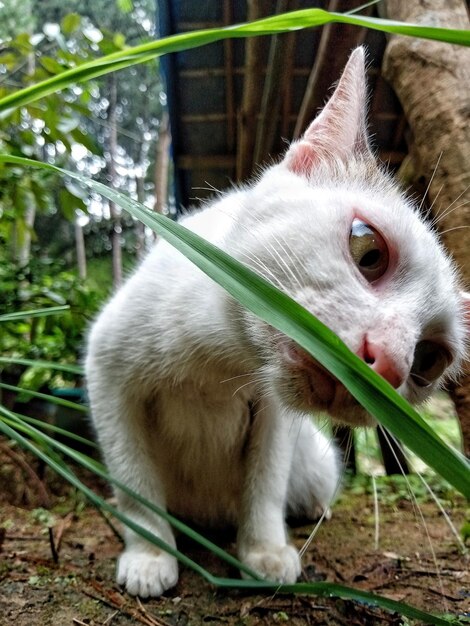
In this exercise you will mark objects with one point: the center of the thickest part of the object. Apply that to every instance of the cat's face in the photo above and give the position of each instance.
(364, 263)
(335, 233)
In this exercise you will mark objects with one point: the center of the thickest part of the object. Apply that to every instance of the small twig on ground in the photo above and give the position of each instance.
(116, 601)
(109, 523)
(11, 537)
(55, 555)
(44, 499)
(109, 619)
(62, 526)
(157, 621)
(79, 622)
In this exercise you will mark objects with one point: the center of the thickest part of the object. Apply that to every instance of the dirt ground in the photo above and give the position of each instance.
(72, 583)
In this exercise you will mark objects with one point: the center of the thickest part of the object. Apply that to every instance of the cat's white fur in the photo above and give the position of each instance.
(203, 408)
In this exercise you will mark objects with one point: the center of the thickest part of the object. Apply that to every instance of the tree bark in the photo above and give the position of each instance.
(80, 248)
(252, 92)
(114, 213)
(162, 162)
(140, 226)
(22, 245)
(432, 81)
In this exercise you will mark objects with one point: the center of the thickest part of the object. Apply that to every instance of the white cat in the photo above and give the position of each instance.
(204, 409)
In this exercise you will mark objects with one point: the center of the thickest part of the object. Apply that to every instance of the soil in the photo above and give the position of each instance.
(58, 569)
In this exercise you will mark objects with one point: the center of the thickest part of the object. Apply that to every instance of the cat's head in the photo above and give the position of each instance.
(330, 228)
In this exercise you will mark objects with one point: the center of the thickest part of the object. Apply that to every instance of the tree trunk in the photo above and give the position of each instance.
(252, 92)
(162, 161)
(432, 80)
(140, 226)
(114, 213)
(22, 245)
(80, 248)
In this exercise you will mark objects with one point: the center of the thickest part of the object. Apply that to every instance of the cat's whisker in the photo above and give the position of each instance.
(421, 378)
(281, 263)
(250, 382)
(276, 257)
(311, 537)
(438, 217)
(226, 380)
(271, 250)
(420, 207)
(320, 521)
(375, 496)
(210, 187)
(443, 512)
(429, 211)
(255, 262)
(447, 212)
(288, 251)
(417, 510)
(449, 230)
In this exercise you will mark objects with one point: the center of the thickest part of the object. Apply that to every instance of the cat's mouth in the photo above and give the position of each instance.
(312, 387)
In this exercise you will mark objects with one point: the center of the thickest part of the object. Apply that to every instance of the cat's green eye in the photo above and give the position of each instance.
(430, 361)
(368, 250)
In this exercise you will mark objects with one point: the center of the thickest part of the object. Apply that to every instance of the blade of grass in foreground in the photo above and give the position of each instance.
(285, 22)
(19, 315)
(45, 396)
(286, 315)
(55, 429)
(324, 589)
(61, 367)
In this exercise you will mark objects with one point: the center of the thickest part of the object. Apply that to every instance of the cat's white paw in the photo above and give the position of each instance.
(277, 563)
(146, 574)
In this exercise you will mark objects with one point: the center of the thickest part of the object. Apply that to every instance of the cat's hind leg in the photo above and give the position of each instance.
(315, 471)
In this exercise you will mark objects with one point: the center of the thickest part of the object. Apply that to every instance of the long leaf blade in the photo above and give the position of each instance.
(19, 315)
(41, 364)
(285, 22)
(45, 396)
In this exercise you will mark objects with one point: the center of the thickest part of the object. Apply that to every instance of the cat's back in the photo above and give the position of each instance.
(167, 296)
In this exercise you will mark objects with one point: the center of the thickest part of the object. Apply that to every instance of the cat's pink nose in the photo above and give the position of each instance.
(382, 363)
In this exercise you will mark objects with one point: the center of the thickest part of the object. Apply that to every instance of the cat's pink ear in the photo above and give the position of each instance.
(339, 131)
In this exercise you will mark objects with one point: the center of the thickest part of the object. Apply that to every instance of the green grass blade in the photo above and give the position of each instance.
(42, 425)
(19, 315)
(45, 396)
(286, 22)
(324, 589)
(99, 469)
(49, 365)
(279, 310)
(65, 472)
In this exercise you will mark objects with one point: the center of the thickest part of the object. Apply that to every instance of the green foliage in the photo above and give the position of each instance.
(70, 125)
(16, 18)
(394, 489)
(53, 338)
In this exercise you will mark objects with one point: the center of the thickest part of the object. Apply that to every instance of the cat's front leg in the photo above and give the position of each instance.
(262, 537)
(144, 569)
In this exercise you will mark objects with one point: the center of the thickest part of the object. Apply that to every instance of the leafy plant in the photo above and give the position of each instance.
(255, 293)
(37, 285)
